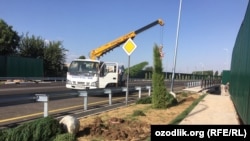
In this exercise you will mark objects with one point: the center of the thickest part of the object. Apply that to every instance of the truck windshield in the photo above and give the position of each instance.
(83, 67)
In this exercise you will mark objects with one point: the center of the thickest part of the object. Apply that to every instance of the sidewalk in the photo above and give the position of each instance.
(213, 109)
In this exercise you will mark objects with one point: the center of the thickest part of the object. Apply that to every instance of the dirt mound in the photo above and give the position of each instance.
(122, 125)
(117, 129)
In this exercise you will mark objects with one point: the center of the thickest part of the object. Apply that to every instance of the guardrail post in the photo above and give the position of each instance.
(43, 98)
(84, 94)
(149, 90)
(108, 91)
(139, 89)
(124, 89)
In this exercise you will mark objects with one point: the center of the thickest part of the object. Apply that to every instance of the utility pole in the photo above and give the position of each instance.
(176, 47)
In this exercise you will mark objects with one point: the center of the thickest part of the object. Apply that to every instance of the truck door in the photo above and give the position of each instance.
(108, 74)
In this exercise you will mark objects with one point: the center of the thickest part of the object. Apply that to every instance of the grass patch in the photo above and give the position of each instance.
(180, 117)
(184, 94)
(138, 113)
(65, 137)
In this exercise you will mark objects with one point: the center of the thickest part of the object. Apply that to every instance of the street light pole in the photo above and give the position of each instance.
(176, 47)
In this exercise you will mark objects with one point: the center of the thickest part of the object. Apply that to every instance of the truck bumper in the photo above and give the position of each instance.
(79, 87)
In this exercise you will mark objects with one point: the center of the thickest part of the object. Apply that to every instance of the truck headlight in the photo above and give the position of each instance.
(94, 84)
(68, 81)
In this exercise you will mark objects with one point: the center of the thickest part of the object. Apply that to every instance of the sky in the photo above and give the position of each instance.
(206, 33)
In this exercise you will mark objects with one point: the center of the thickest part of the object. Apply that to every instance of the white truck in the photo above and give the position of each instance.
(92, 73)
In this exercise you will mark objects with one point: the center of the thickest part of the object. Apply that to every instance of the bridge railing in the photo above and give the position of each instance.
(205, 83)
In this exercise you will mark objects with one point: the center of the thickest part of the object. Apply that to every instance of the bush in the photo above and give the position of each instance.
(138, 113)
(144, 100)
(171, 101)
(40, 129)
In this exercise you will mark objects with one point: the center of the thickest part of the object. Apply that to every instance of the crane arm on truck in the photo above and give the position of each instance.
(98, 52)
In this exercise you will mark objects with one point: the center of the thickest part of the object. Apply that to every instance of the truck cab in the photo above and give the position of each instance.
(92, 74)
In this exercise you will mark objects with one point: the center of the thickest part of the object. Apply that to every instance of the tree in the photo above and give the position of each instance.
(9, 39)
(150, 68)
(54, 58)
(52, 53)
(216, 74)
(136, 69)
(82, 57)
(160, 97)
(32, 46)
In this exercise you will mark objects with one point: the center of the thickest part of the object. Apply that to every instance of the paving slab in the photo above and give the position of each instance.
(213, 110)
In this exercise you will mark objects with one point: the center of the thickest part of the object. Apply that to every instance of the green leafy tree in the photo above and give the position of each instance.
(149, 68)
(82, 57)
(216, 74)
(52, 53)
(136, 69)
(32, 46)
(148, 72)
(54, 59)
(160, 97)
(9, 39)
(207, 72)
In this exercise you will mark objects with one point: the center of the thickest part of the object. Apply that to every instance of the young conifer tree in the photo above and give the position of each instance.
(160, 97)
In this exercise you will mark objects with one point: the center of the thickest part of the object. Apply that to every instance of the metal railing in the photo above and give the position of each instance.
(32, 79)
(205, 83)
(45, 98)
(193, 84)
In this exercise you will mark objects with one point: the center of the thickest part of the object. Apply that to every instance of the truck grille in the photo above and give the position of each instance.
(84, 83)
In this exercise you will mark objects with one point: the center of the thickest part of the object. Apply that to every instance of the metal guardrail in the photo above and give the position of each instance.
(21, 80)
(206, 83)
(33, 79)
(193, 84)
(45, 98)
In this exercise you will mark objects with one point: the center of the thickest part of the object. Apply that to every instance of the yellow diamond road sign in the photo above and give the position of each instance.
(129, 46)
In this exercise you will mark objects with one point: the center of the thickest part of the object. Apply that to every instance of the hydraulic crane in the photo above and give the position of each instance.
(93, 73)
(100, 51)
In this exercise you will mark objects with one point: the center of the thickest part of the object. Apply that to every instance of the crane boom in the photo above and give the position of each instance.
(98, 52)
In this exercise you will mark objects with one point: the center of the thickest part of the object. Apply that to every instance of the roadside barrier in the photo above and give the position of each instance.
(205, 83)
(90, 92)
(193, 84)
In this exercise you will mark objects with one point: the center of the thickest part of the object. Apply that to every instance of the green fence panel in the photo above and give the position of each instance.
(225, 76)
(240, 70)
(2, 66)
(15, 66)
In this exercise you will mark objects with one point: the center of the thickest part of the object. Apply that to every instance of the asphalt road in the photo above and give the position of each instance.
(15, 113)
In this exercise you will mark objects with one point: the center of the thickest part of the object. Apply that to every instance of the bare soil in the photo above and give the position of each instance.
(121, 125)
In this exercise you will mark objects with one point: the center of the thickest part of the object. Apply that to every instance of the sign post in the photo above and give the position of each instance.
(128, 47)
